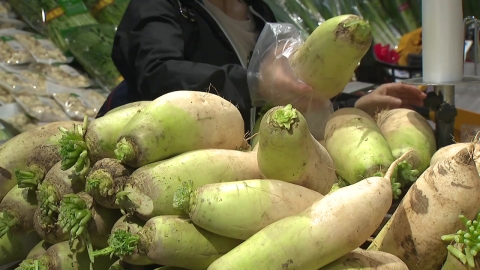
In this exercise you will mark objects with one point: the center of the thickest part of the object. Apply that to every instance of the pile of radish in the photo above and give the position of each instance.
(174, 184)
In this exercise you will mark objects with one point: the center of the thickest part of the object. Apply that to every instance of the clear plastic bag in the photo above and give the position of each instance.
(62, 75)
(5, 97)
(20, 80)
(271, 79)
(41, 48)
(11, 51)
(15, 115)
(77, 103)
(43, 109)
(6, 23)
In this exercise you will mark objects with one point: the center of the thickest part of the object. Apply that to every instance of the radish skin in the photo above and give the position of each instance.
(15, 152)
(367, 260)
(241, 209)
(318, 235)
(406, 130)
(16, 246)
(193, 248)
(352, 134)
(447, 152)
(150, 189)
(47, 228)
(138, 104)
(38, 250)
(444, 191)
(107, 177)
(287, 151)
(17, 210)
(179, 122)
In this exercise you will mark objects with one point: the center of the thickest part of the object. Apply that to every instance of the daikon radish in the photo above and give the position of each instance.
(367, 260)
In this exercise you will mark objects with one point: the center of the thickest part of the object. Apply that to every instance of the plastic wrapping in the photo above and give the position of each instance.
(6, 10)
(15, 115)
(43, 109)
(41, 49)
(7, 23)
(109, 12)
(62, 75)
(77, 103)
(5, 97)
(30, 12)
(11, 51)
(18, 79)
(269, 72)
(92, 47)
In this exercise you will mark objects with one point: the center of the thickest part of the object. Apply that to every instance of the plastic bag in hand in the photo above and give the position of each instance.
(271, 79)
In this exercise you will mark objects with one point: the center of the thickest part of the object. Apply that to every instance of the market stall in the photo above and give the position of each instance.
(175, 183)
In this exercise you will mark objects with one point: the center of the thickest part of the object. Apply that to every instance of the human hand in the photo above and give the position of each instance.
(280, 86)
(391, 96)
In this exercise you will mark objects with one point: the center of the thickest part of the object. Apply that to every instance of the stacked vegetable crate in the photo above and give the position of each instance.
(48, 71)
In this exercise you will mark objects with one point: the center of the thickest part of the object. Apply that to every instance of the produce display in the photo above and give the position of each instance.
(174, 183)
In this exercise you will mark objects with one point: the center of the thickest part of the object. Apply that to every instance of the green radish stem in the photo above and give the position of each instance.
(17, 210)
(6, 222)
(120, 243)
(126, 205)
(74, 216)
(29, 178)
(469, 240)
(124, 150)
(285, 117)
(74, 150)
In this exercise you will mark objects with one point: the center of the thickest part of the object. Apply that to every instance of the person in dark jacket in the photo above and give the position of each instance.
(167, 45)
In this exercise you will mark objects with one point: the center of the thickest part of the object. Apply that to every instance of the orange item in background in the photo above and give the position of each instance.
(410, 43)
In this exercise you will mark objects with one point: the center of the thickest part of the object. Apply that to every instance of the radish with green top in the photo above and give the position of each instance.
(464, 246)
(367, 260)
(16, 246)
(287, 151)
(47, 227)
(331, 228)
(57, 183)
(178, 122)
(107, 177)
(84, 219)
(406, 130)
(17, 210)
(175, 241)
(40, 161)
(430, 209)
(123, 246)
(317, 61)
(241, 209)
(61, 257)
(16, 151)
(84, 145)
(150, 189)
(352, 135)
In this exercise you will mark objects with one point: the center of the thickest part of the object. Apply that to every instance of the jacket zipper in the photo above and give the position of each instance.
(253, 111)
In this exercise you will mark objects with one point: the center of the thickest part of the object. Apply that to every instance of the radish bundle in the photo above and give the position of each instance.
(17, 210)
(406, 130)
(178, 122)
(317, 61)
(15, 152)
(107, 177)
(123, 241)
(430, 209)
(150, 189)
(174, 241)
(300, 241)
(287, 151)
(241, 209)
(367, 149)
(84, 145)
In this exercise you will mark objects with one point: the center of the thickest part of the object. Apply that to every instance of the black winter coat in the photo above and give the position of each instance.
(167, 45)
